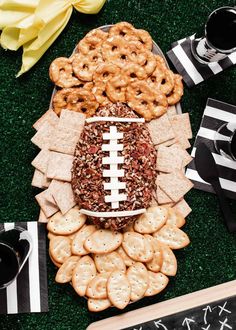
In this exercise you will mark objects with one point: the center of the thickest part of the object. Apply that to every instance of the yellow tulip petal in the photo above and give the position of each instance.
(88, 6)
(33, 51)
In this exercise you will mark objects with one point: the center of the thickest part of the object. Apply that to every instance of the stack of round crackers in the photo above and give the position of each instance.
(115, 66)
(115, 268)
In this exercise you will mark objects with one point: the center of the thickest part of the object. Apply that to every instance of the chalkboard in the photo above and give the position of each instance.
(209, 309)
(220, 315)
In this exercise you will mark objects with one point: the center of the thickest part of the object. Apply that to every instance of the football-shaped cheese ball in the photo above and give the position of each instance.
(114, 166)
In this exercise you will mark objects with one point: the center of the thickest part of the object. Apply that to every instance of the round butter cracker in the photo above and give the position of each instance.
(175, 219)
(169, 263)
(97, 287)
(83, 273)
(155, 264)
(60, 248)
(109, 262)
(103, 241)
(172, 236)
(138, 278)
(137, 247)
(118, 289)
(80, 238)
(157, 283)
(64, 273)
(66, 224)
(98, 305)
(152, 220)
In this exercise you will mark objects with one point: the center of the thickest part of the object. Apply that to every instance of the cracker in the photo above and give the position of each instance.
(162, 198)
(64, 140)
(182, 208)
(40, 180)
(47, 203)
(110, 241)
(64, 197)
(183, 142)
(97, 287)
(169, 159)
(51, 235)
(64, 273)
(155, 264)
(171, 110)
(66, 224)
(169, 264)
(172, 236)
(127, 260)
(80, 237)
(49, 116)
(138, 278)
(60, 248)
(152, 220)
(118, 289)
(98, 305)
(57, 264)
(43, 137)
(160, 129)
(73, 120)
(157, 283)
(59, 166)
(175, 184)
(177, 149)
(181, 125)
(83, 273)
(166, 143)
(175, 218)
(137, 247)
(40, 162)
(109, 262)
(42, 217)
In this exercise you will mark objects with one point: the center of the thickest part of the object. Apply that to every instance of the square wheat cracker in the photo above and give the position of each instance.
(64, 140)
(41, 160)
(175, 184)
(73, 120)
(47, 203)
(160, 129)
(168, 159)
(43, 136)
(183, 208)
(162, 198)
(171, 158)
(181, 124)
(64, 197)
(59, 166)
(49, 116)
(40, 180)
(42, 217)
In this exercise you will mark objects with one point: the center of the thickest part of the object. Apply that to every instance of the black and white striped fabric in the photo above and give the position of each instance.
(29, 292)
(215, 115)
(192, 71)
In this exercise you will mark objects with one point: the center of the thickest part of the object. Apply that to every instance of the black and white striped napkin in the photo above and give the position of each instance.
(192, 71)
(29, 292)
(215, 115)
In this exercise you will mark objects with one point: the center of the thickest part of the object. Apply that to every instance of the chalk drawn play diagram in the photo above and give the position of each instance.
(220, 315)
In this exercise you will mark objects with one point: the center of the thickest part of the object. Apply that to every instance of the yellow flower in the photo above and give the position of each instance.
(35, 24)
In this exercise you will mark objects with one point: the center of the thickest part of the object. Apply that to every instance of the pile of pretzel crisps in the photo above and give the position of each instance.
(115, 66)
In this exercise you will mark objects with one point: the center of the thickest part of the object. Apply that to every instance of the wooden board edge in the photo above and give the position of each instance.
(167, 307)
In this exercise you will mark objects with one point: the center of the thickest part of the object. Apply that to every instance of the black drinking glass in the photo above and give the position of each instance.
(219, 40)
(15, 248)
(225, 140)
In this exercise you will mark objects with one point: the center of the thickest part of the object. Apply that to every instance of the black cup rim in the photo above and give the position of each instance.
(3, 286)
(224, 51)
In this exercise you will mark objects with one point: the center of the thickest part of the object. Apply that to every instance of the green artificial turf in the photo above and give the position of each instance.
(211, 257)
